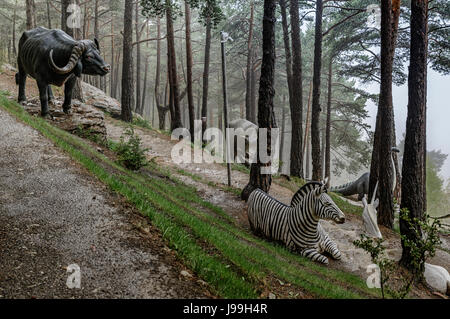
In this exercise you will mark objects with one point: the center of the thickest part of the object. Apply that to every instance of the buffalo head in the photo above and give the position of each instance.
(87, 53)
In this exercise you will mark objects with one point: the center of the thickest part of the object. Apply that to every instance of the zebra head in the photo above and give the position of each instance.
(325, 208)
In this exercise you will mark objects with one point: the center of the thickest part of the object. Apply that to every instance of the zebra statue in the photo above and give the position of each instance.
(297, 226)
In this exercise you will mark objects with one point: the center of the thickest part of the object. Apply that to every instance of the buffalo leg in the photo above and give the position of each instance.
(51, 98)
(43, 94)
(21, 79)
(68, 88)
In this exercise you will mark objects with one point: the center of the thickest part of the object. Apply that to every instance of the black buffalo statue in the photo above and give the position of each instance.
(53, 57)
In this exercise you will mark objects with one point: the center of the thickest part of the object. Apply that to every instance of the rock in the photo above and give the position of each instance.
(98, 99)
(186, 274)
(272, 296)
(438, 278)
(84, 118)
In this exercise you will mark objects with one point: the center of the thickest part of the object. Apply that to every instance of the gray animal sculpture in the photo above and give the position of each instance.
(360, 187)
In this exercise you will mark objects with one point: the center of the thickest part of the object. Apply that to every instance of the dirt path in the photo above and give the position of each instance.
(53, 214)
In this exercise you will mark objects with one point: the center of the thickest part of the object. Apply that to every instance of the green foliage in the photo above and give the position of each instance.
(423, 247)
(129, 151)
(208, 9)
(425, 239)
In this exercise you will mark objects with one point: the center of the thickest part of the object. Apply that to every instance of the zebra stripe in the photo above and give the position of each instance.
(297, 226)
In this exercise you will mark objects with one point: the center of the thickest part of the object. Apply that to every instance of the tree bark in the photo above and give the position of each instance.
(49, 19)
(162, 109)
(297, 98)
(206, 74)
(30, 12)
(315, 112)
(414, 158)
(328, 124)
(138, 62)
(249, 71)
(381, 169)
(127, 72)
(175, 114)
(189, 65)
(266, 116)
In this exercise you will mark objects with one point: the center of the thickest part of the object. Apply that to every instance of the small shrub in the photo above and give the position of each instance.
(427, 235)
(130, 152)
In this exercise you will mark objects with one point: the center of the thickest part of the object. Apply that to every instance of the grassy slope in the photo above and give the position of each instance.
(235, 263)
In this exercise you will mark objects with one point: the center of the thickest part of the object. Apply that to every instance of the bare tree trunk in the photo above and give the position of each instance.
(315, 113)
(113, 64)
(30, 12)
(127, 73)
(266, 116)
(381, 169)
(414, 158)
(175, 121)
(14, 33)
(328, 124)
(138, 63)
(162, 109)
(297, 99)
(206, 73)
(249, 72)
(189, 63)
(253, 91)
(144, 89)
(49, 20)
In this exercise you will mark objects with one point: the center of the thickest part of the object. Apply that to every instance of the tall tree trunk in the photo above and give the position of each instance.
(328, 124)
(189, 64)
(144, 89)
(138, 63)
(127, 72)
(30, 13)
(283, 129)
(113, 64)
(96, 36)
(266, 116)
(315, 112)
(14, 33)
(381, 169)
(49, 19)
(175, 114)
(162, 109)
(248, 93)
(297, 99)
(253, 91)
(414, 158)
(206, 74)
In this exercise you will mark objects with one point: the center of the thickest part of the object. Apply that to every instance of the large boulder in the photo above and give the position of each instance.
(84, 118)
(100, 100)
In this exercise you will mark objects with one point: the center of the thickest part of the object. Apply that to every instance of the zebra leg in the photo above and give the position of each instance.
(330, 247)
(314, 255)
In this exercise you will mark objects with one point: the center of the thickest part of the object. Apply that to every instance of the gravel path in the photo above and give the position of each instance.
(53, 214)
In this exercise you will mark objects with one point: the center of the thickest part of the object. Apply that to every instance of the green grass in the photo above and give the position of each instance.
(233, 261)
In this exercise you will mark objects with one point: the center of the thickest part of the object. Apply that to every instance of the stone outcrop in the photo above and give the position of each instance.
(98, 99)
(83, 117)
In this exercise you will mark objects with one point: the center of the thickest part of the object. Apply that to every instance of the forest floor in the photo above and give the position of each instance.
(209, 181)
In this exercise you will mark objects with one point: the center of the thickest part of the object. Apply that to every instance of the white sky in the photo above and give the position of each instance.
(438, 114)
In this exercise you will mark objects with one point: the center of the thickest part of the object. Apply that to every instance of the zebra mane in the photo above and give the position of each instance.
(301, 193)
